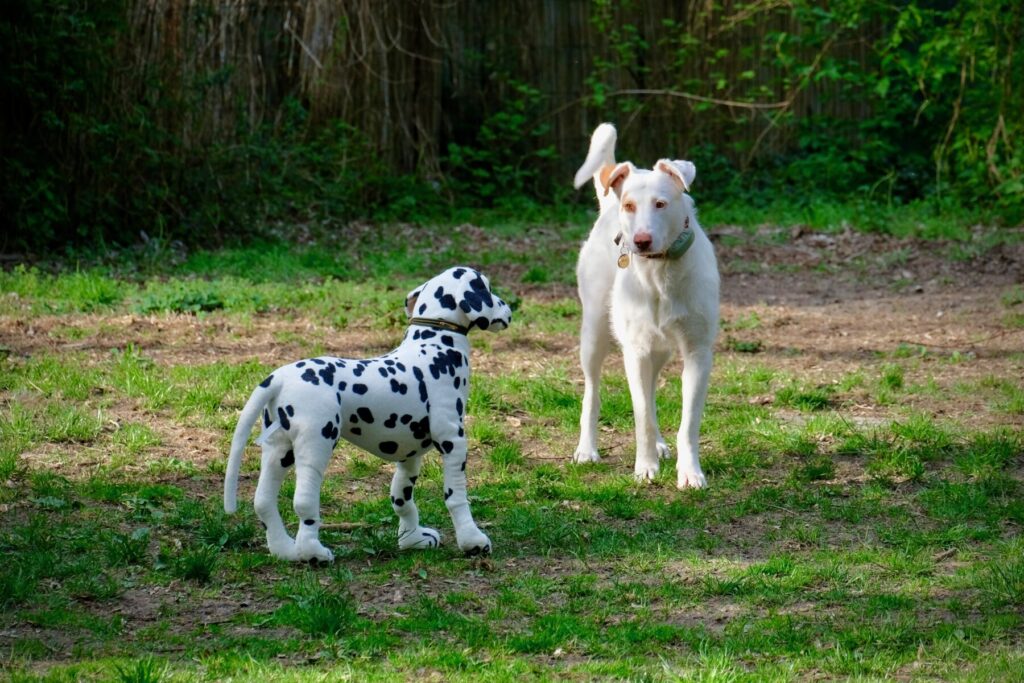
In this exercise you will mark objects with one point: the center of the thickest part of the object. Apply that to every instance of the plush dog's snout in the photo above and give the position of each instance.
(642, 240)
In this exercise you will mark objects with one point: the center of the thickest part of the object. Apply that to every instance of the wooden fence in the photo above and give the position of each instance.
(414, 75)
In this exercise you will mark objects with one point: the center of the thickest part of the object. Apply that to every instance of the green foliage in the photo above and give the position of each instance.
(197, 563)
(506, 161)
(933, 106)
(86, 164)
(144, 670)
(317, 609)
(101, 152)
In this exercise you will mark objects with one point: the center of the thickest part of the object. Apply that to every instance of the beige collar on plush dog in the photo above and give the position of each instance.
(439, 324)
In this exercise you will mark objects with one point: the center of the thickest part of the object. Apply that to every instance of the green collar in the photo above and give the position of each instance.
(680, 246)
(677, 248)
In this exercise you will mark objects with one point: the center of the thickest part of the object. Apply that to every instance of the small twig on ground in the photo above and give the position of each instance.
(1002, 333)
(345, 526)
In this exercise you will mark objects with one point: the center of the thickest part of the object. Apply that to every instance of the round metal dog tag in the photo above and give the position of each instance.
(623, 260)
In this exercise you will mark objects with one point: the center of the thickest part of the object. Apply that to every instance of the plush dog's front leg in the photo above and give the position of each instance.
(639, 374)
(410, 533)
(471, 540)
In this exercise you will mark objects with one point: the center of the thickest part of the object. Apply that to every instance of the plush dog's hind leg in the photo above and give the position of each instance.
(309, 476)
(278, 457)
(410, 534)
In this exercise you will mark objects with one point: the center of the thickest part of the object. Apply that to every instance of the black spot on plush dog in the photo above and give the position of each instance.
(381, 415)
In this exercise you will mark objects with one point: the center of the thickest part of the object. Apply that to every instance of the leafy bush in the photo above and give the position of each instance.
(507, 159)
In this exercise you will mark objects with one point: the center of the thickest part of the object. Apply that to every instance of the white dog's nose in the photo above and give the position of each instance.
(642, 240)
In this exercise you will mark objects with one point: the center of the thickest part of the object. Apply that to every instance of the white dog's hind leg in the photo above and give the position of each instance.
(410, 534)
(309, 476)
(639, 375)
(278, 456)
(595, 342)
(696, 372)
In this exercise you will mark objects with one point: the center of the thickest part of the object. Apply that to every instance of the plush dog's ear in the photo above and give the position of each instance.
(410, 300)
(616, 177)
(682, 172)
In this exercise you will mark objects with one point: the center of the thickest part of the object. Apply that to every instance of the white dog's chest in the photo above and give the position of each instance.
(645, 313)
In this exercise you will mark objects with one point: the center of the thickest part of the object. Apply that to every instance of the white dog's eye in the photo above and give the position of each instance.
(660, 204)
(629, 207)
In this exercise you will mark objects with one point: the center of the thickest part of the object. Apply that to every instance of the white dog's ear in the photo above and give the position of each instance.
(616, 177)
(602, 178)
(410, 300)
(683, 172)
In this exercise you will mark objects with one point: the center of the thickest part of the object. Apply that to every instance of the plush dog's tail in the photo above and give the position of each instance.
(601, 154)
(263, 394)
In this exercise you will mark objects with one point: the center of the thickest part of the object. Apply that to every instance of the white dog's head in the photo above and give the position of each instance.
(654, 207)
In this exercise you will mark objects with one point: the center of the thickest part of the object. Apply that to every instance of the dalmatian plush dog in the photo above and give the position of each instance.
(397, 406)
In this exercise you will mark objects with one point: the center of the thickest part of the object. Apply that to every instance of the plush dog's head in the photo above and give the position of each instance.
(654, 207)
(461, 296)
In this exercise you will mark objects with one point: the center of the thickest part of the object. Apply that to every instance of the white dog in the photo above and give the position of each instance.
(647, 273)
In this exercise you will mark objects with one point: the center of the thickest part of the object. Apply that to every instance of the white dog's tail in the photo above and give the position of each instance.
(250, 413)
(601, 154)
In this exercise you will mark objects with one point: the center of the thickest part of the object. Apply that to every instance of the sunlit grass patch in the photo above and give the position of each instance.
(73, 291)
(848, 529)
(317, 608)
(135, 438)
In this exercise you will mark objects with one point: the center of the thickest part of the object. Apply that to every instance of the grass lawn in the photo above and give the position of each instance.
(862, 441)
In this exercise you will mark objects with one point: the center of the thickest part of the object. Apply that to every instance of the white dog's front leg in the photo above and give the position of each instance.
(658, 360)
(471, 540)
(696, 373)
(639, 373)
(410, 534)
(595, 342)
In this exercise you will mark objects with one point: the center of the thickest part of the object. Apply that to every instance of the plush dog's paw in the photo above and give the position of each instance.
(479, 550)
(475, 542)
(691, 480)
(313, 550)
(583, 455)
(419, 538)
(283, 549)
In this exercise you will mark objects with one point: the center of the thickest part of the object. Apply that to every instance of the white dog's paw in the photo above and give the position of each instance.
(419, 538)
(583, 456)
(313, 550)
(643, 472)
(691, 480)
(664, 452)
(474, 542)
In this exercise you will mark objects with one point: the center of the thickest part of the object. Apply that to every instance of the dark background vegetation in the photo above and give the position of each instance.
(207, 122)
